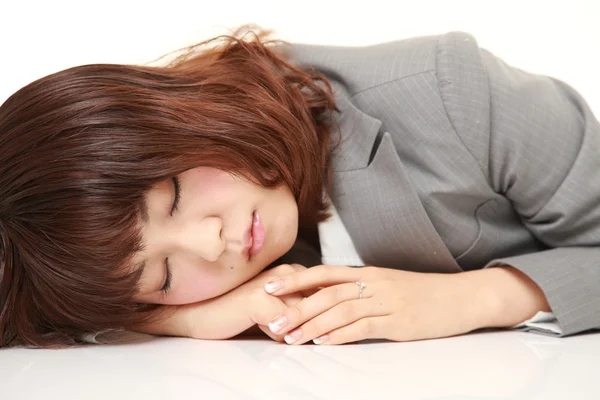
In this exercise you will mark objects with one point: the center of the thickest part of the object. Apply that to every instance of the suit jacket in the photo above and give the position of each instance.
(452, 160)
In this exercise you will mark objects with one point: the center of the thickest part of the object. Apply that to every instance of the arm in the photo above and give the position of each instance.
(539, 147)
(219, 318)
(403, 305)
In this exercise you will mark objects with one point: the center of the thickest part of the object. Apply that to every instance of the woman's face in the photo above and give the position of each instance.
(206, 239)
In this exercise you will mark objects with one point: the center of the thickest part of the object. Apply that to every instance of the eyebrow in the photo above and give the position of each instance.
(140, 268)
(144, 211)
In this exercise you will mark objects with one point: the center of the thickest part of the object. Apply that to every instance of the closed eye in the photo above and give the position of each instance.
(167, 285)
(168, 275)
(177, 189)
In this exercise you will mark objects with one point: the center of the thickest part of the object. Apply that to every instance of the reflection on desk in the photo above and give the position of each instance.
(496, 364)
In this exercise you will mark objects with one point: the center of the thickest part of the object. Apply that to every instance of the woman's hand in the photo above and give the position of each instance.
(261, 307)
(242, 308)
(395, 305)
(230, 314)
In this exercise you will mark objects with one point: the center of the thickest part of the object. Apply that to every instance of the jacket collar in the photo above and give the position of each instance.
(377, 201)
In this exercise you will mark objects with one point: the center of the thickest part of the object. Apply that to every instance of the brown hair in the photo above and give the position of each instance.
(80, 148)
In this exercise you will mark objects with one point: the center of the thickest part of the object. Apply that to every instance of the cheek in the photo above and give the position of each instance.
(215, 185)
(198, 284)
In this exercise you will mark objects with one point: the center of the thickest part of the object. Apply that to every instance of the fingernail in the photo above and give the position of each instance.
(320, 339)
(277, 324)
(293, 336)
(272, 286)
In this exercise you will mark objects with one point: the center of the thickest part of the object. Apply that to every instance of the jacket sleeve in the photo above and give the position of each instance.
(538, 142)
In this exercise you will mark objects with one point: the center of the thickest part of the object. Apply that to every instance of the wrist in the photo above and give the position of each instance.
(475, 304)
(503, 297)
(164, 321)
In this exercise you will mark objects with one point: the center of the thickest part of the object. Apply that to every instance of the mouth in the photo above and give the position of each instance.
(254, 238)
(248, 240)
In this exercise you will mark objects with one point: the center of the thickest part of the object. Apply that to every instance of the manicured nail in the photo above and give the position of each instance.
(293, 336)
(273, 286)
(277, 324)
(320, 339)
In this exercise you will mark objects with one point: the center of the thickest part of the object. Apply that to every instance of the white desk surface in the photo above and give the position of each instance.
(484, 365)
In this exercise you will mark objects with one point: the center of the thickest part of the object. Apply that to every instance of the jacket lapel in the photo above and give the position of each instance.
(377, 202)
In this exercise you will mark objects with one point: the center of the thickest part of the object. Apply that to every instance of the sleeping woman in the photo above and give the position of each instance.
(409, 190)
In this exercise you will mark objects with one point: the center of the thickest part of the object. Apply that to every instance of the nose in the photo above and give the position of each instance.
(203, 238)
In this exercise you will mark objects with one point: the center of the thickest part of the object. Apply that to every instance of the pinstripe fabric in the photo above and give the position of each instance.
(452, 160)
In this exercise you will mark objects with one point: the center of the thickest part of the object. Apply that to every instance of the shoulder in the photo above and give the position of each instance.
(359, 68)
(452, 65)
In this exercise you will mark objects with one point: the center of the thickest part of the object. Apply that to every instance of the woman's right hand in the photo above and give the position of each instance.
(262, 309)
(230, 314)
(246, 307)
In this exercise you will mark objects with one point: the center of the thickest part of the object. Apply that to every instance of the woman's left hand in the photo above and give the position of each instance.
(396, 305)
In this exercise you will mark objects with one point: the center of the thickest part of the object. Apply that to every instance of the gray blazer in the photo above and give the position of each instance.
(452, 160)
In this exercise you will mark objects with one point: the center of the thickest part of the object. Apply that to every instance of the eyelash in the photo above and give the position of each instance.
(167, 285)
(177, 186)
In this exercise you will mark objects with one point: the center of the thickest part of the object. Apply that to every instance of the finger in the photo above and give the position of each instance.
(280, 270)
(298, 267)
(308, 292)
(263, 307)
(267, 331)
(317, 276)
(339, 316)
(366, 328)
(272, 303)
(289, 300)
(315, 305)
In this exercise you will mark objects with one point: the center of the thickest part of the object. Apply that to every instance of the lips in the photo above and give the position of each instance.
(258, 235)
(248, 240)
(254, 237)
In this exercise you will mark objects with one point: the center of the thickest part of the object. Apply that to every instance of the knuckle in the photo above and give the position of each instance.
(295, 312)
(298, 267)
(336, 292)
(277, 272)
(284, 269)
(316, 326)
(256, 304)
(269, 272)
(291, 300)
(367, 327)
(291, 280)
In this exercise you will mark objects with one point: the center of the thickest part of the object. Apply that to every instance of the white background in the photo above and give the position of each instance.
(559, 38)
